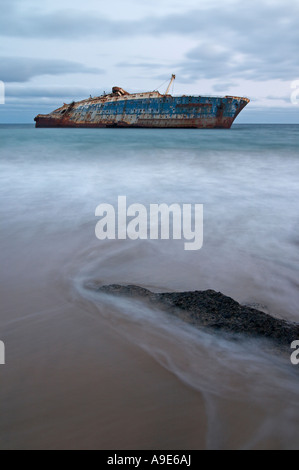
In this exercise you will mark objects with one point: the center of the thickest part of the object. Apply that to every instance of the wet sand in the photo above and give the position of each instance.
(79, 377)
(71, 381)
(88, 371)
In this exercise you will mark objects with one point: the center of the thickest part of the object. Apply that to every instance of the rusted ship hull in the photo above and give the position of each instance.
(200, 123)
(146, 110)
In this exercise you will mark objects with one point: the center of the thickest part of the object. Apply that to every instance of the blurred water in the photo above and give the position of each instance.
(51, 181)
(247, 179)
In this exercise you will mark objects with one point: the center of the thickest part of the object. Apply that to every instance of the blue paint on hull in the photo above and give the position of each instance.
(138, 111)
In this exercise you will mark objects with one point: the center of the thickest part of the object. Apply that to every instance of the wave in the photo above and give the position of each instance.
(230, 374)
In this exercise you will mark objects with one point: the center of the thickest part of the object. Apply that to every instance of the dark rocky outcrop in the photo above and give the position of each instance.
(213, 310)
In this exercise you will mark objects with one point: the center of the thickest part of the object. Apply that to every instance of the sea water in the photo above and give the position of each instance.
(173, 386)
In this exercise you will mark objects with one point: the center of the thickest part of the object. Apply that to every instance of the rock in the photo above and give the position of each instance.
(213, 310)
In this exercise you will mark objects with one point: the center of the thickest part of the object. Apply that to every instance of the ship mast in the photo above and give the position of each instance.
(171, 82)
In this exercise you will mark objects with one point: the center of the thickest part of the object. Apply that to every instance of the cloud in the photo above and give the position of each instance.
(209, 60)
(145, 65)
(23, 93)
(285, 99)
(252, 18)
(61, 24)
(224, 86)
(21, 69)
(255, 40)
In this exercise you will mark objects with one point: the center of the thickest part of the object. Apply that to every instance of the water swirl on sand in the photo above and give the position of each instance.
(262, 388)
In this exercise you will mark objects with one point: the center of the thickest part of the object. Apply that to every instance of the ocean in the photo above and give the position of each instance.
(86, 370)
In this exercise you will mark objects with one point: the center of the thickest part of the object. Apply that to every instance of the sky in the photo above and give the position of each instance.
(56, 51)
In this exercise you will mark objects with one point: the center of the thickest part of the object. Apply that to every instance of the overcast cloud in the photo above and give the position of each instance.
(21, 69)
(248, 47)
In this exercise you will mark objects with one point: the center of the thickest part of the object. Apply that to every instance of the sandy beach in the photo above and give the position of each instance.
(90, 371)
